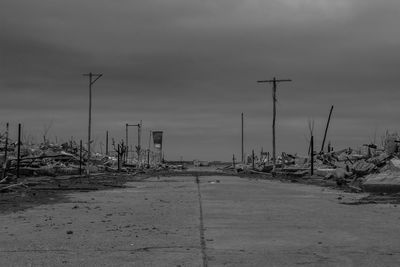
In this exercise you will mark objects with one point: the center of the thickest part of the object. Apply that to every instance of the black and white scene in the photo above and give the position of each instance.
(200, 133)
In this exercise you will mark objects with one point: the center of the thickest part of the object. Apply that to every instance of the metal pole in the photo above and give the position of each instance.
(326, 129)
(19, 149)
(80, 157)
(242, 142)
(127, 145)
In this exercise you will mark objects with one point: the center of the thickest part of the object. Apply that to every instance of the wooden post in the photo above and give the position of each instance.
(80, 157)
(312, 155)
(5, 152)
(233, 161)
(19, 149)
(326, 129)
(252, 153)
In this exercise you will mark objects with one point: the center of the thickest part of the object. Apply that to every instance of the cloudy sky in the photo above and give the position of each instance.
(189, 68)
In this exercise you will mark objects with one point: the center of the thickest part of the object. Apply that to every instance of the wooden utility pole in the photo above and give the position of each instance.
(242, 142)
(91, 82)
(312, 155)
(326, 129)
(126, 143)
(19, 149)
(80, 157)
(139, 140)
(274, 82)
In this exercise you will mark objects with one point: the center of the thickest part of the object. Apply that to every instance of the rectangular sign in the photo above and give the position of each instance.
(157, 139)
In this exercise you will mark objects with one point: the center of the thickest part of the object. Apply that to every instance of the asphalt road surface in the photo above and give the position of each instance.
(203, 221)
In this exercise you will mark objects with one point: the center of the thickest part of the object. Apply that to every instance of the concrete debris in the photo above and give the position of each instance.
(66, 159)
(368, 168)
(388, 181)
(49, 159)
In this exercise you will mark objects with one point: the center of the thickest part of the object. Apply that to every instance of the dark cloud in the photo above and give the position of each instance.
(190, 68)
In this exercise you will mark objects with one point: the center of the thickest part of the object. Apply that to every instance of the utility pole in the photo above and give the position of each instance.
(139, 139)
(274, 82)
(91, 82)
(80, 157)
(126, 143)
(19, 149)
(326, 129)
(242, 142)
(312, 155)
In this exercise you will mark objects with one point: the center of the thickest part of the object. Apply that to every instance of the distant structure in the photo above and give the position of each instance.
(158, 144)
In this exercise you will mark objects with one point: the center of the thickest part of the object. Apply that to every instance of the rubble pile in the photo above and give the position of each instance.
(366, 169)
(50, 159)
(47, 159)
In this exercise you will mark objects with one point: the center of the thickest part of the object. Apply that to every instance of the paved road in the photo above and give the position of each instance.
(206, 221)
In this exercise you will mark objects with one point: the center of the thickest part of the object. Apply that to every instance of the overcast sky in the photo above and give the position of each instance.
(189, 68)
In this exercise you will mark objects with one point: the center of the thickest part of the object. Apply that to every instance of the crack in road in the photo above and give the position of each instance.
(201, 226)
(142, 249)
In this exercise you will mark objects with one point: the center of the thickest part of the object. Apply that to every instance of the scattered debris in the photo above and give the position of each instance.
(367, 169)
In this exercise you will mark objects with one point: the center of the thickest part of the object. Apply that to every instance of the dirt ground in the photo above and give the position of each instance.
(48, 190)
